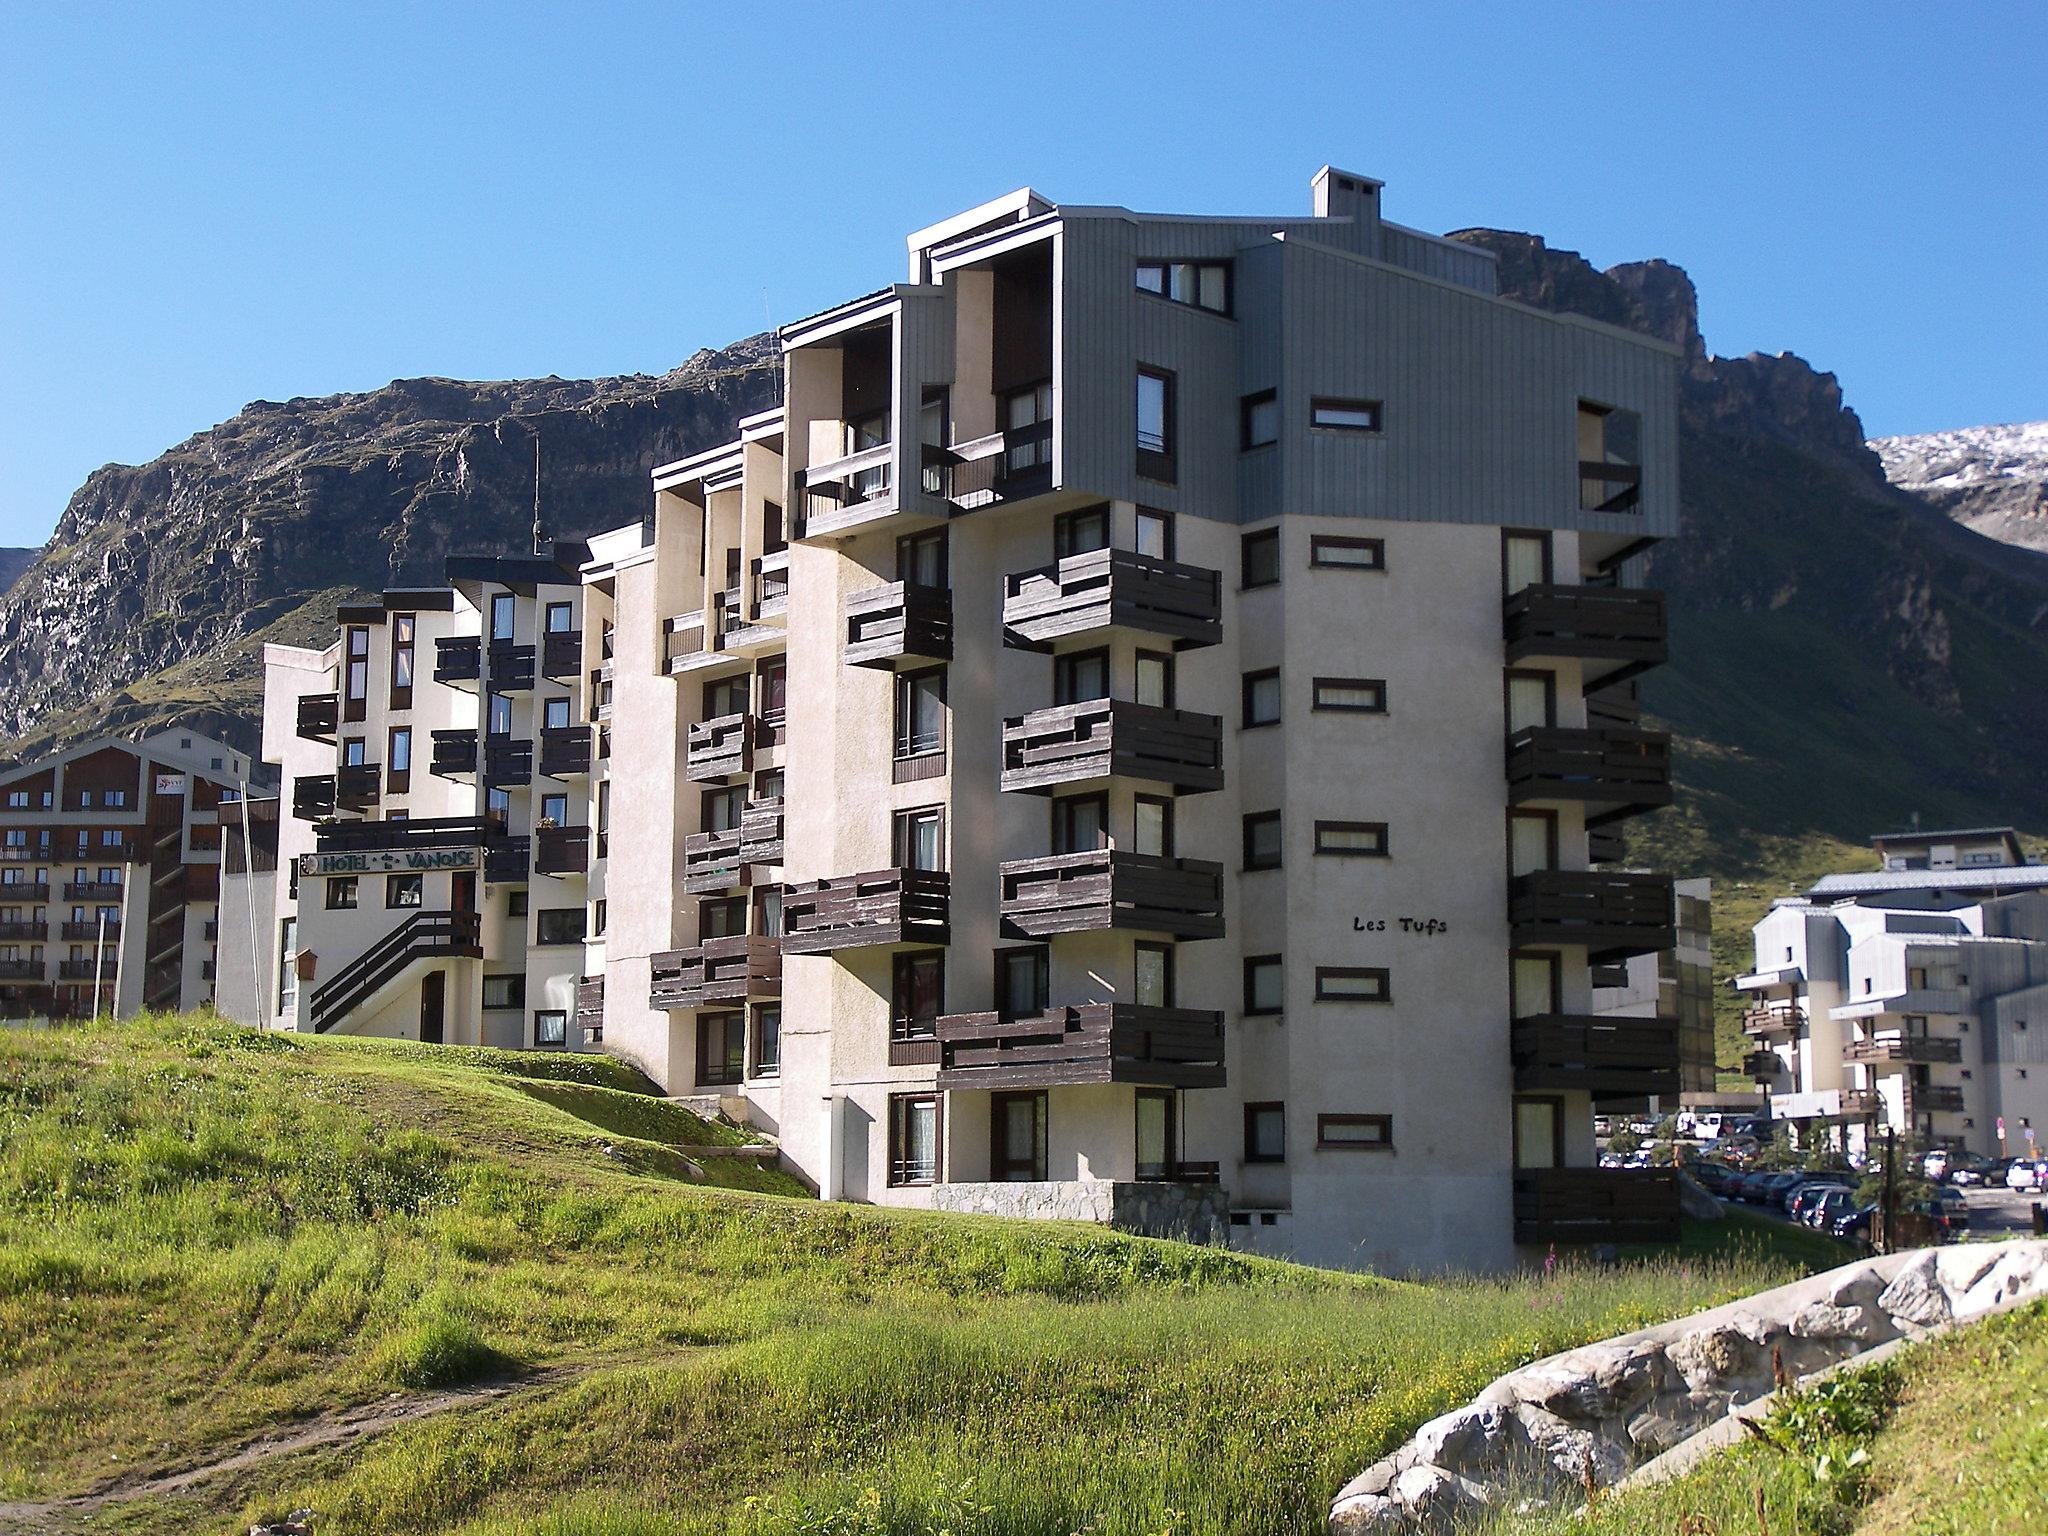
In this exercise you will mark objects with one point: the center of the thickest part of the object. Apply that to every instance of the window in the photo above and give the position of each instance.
(773, 690)
(1027, 429)
(1261, 698)
(1539, 1133)
(559, 925)
(403, 629)
(721, 1049)
(767, 911)
(1080, 676)
(918, 838)
(1017, 1137)
(1352, 839)
(551, 1027)
(921, 713)
(555, 808)
(917, 994)
(1265, 1133)
(1358, 695)
(497, 804)
(767, 1039)
(1080, 823)
(1155, 679)
(1023, 979)
(913, 1138)
(1259, 559)
(1532, 841)
(558, 622)
(1152, 826)
(341, 893)
(554, 714)
(501, 616)
(1155, 424)
(1355, 1133)
(1525, 561)
(1153, 986)
(404, 890)
(1080, 533)
(921, 559)
(1531, 701)
(1536, 983)
(398, 758)
(725, 696)
(515, 903)
(17, 799)
(357, 684)
(600, 915)
(725, 918)
(1262, 840)
(1258, 420)
(1331, 415)
(498, 717)
(1202, 284)
(1265, 984)
(719, 810)
(505, 992)
(114, 799)
(1155, 1148)
(1336, 552)
(1155, 533)
(1353, 984)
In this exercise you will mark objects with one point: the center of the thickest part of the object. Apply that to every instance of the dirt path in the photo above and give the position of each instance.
(341, 1427)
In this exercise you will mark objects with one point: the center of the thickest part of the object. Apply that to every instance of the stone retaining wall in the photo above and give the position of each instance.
(1601, 1411)
(1194, 1212)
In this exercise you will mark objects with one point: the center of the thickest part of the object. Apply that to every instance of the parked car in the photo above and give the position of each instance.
(1822, 1214)
(1713, 1177)
(2028, 1174)
(1854, 1225)
(1963, 1169)
(1774, 1188)
(1807, 1196)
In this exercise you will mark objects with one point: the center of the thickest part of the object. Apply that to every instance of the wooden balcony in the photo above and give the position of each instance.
(1596, 1205)
(1605, 845)
(1616, 630)
(1092, 1043)
(565, 751)
(1605, 487)
(508, 762)
(512, 668)
(561, 851)
(899, 622)
(17, 931)
(21, 970)
(88, 931)
(561, 655)
(718, 749)
(1859, 1103)
(508, 860)
(1773, 1018)
(1613, 915)
(458, 659)
(91, 890)
(1105, 738)
(454, 754)
(1762, 1064)
(1934, 1098)
(1621, 772)
(590, 1005)
(718, 971)
(312, 796)
(1904, 1050)
(27, 890)
(418, 833)
(1108, 888)
(761, 831)
(712, 862)
(884, 906)
(86, 970)
(319, 716)
(1606, 1057)
(848, 492)
(1007, 466)
(358, 786)
(1113, 588)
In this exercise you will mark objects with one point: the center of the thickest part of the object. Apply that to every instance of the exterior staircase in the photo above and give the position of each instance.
(423, 936)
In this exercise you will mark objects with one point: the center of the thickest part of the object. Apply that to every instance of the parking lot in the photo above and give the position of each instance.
(2000, 1210)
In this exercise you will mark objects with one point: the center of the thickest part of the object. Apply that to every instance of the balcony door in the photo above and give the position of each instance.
(1017, 1124)
(1532, 842)
(1539, 1133)
(1532, 701)
(1525, 561)
(1538, 985)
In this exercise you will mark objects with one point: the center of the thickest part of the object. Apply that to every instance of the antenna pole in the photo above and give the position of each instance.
(536, 495)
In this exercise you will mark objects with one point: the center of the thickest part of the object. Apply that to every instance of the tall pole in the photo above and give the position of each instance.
(1890, 1210)
(99, 963)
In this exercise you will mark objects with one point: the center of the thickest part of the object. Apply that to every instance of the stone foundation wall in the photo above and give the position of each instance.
(1193, 1212)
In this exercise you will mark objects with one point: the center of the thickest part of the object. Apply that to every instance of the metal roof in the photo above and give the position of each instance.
(1962, 881)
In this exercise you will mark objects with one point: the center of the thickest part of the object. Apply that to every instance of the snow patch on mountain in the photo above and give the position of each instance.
(1991, 479)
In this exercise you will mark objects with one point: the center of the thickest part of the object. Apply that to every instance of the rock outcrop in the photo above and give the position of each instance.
(1993, 480)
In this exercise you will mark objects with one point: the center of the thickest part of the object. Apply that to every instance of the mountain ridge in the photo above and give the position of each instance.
(1992, 479)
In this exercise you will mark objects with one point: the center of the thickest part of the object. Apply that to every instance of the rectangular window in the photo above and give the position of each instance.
(287, 965)
(341, 893)
(1353, 984)
(1023, 981)
(1262, 840)
(721, 1049)
(398, 759)
(772, 688)
(403, 629)
(1017, 1135)
(1027, 429)
(1258, 420)
(918, 994)
(1080, 676)
(356, 684)
(1336, 552)
(1080, 823)
(1080, 533)
(1155, 533)
(554, 714)
(1259, 559)
(551, 1027)
(1155, 1159)
(1532, 841)
(555, 808)
(722, 919)
(505, 992)
(1155, 424)
(1153, 987)
(559, 925)
(1531, 701)
(921, 713)
(1152, 826)
(1264, 984)
(1265, 1133)
(1524, 560)
(725, 696)
(558, 618)
(921, 559)
(1539, 1133)
(1357, 695)
(1352, 839)
(404, 890)
(498, 720)
(767, 1039)
(501, 616)
(1355, 1133)
(1155, 679)
(913, 1138)
(1331, 415)
(1199, 284)
(918, 838)
(1261, 691)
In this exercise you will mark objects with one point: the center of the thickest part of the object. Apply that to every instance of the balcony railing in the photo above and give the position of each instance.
(712, 862)
(1613, 915)
(590, 1005)
(312, 796)
(454, 754)
(85, 970)
(902, 621)
(1605, 487)
(684, 638)
(508, 762)
(1605, 845)
(1859, 1102)
(358, 786)
(1003, 466)
(1092, 1043)
(718, 749)
(884, 906)
(93, 890)
(508, 860)
(26, 890)
(1773, 1018)
(512, 668)
(761, 831)
(1762, 1064)
(1620, 771)
(561, 850)
(1596, 1205)
(728, 970)
(771, 583)
(1622, 630)
(565, 751)
(1105, 738)
(319, 716)
(1608, 1058)
(34, 932)
(1109, 888)
(844, 492)
(400, 836)
(561, 654)
(1913, 1049)
(89, 930)
(1117, 588)
(458, 659)
(21, 970)
(1935, 1098)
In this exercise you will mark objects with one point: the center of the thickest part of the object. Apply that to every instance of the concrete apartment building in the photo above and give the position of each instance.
(1901, 1000)
(1138, 734)
(1673, 990)
(110, 875)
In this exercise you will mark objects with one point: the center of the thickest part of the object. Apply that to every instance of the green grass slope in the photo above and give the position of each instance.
(206, 1233)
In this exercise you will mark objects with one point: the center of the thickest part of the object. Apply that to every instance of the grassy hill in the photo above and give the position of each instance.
(492, 1292)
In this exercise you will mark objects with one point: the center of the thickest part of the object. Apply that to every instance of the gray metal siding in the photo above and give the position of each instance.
(1467, 266)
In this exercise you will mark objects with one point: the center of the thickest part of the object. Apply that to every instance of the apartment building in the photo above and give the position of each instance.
(1672, 990)
(109, 875)
(1900, 1000)
(1139, 734)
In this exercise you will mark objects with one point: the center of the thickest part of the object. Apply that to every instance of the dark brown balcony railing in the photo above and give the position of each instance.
(319, 716)
(458, 659)
(761, 831)
(565, 751)
(358, 786)
(1859, 1102)
(1909, 1049)
(1117, 588)
(884, 906)
(718, 749)
(508, 860)
(718, 971)
(1003, 466)
(1605, 845)
(89, 930)
(1605, 487)
(454, 754)
(92, 890)
(33, 932)
(420, 832)
(1620, 630)
(511, 668)
(844, 492)
(712, 863)
(1622, 772)
(561, 654)
(1103, 738)
(902, 621)
(1608, 1058)
(561, 850)
(508, 762)
(1109, 888)
(1762, 1064)
(21, 970)
(1596, 1205)
(1613, 915)
(313, 796)
(1936, 1098)
(1773, 1018)
(85, 970)
(1091, 1043)
(590, 1006)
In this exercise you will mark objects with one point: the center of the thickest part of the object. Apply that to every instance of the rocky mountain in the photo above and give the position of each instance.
(162, 580)
(13, 562)
(1990, 479)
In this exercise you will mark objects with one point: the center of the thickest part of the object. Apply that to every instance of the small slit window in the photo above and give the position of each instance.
(1339, 553)
(1258, 420)
(1352, 839)
(1353, 984)
(1356, 695)
(1356, 1133)
(1327, 414)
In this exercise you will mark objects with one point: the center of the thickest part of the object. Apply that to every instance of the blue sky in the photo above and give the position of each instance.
(202, 205)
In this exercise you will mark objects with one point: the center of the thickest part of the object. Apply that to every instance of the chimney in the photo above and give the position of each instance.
(1348, 196)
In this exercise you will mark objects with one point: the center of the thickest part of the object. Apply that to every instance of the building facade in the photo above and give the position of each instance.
(1671, 989)
(1138, 734)
(110, 875)
(1899, 1001)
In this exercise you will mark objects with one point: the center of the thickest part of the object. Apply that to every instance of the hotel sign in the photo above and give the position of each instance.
(387, 861)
